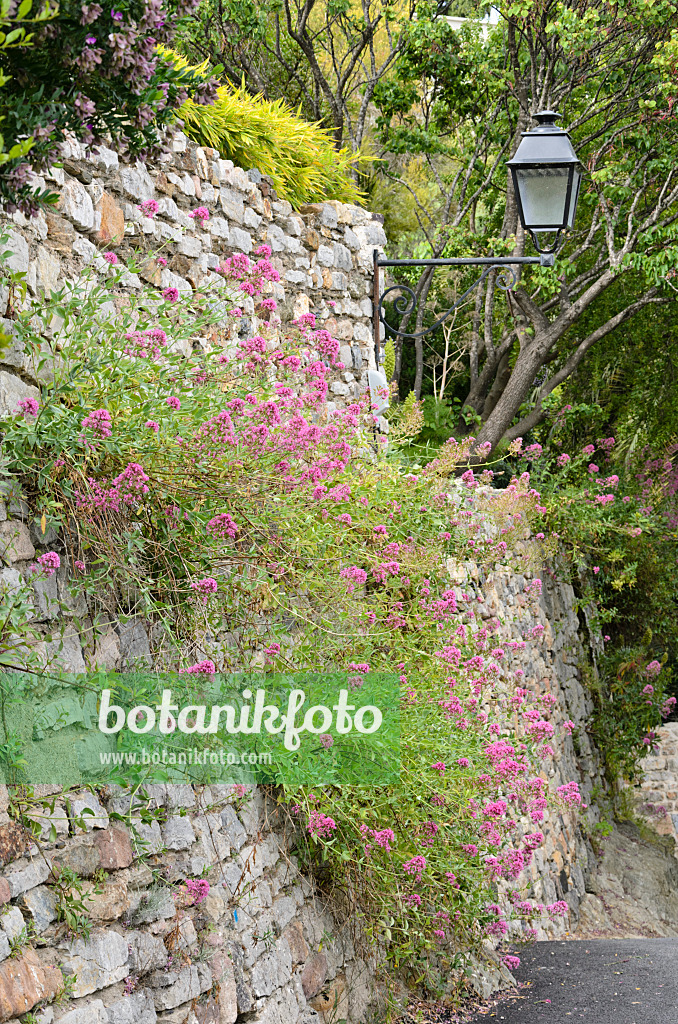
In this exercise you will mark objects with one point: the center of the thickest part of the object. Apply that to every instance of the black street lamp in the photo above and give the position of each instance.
(546, 176)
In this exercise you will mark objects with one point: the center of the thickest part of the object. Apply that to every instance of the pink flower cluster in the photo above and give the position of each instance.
(50, 562)
(222, 526)
(320, 825)
(145, 344)
(200, 213)
(202, 668)
(205, 588)
(28, 406)
(197, 888)
(99, 422)
(569, 793)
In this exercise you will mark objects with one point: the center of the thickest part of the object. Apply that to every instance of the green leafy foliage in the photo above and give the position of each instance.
(298, 157)
(94, 71)
(209, 502)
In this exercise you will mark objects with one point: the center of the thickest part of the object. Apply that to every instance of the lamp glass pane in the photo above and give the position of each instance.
(574, 195)
(542, 192)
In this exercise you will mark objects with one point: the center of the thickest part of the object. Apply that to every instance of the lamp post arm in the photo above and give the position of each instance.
(408, 299)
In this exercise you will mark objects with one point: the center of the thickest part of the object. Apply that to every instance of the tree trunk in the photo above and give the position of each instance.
(516, 391)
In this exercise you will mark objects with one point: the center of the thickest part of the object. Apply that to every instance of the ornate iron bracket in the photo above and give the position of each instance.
(407, 302)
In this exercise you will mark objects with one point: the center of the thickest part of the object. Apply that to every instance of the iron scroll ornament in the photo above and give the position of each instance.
(406, 307)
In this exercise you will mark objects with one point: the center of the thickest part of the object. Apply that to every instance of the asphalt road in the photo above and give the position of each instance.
(600, 981)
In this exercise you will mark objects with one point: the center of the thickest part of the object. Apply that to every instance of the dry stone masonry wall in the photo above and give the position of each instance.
(658, 793)
(261, 947)
(259, 944)
(323, 252)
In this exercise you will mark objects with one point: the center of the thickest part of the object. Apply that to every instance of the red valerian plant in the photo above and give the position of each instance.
(254, 527)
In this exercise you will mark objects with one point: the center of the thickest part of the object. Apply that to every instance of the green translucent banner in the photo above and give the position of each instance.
(303, 728)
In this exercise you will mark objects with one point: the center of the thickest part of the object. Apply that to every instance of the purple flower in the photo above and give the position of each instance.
(205, 587)
(149, 207)
(200, 213)
(28, 406)
(80, 566)
(111, 258)
(116, 15)
(170, 294)
(152, 425)
(91, 40)
(161, 261)
(326, 740)
(173, 402)
(99, 422)
(50, 562)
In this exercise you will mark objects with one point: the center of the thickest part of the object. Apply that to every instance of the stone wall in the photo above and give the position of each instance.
(323, 252)
(260, 943)
(262, 947)
(658, 792)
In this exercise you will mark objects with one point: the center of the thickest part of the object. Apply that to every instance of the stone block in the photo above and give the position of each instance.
(173, 988)
(87, 807)
(46, 597)
(178, 833)
(177, 796)
(5, 948)
(107, 651)
(363, 333)
(111, 221)
(294, 935)
(218, 228)
(136, 181)
(80, 858)
(190, 246)
(18, 247)
(65, 651)
(75, 203)
(224, 975)
(96, 962)
(251, 219)
(264, 977)
(296, 277)
(328, 216)
(93, 1013)
(146, 952)
(115, 849)
(109, 904)
(314, 974)
(15, 540)
(40, 903)
(34, 873)
(155, 905)
(241, 241)
(342, 257)
(325, 256)
(60, 233)
(134, 645)
(351, 239)
(47, 269)
(5, 894)
(14, 841)
(371, 234)
(24, 981)
(12, 923)
(147, 838)
(137, 1008)
(232, 205)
